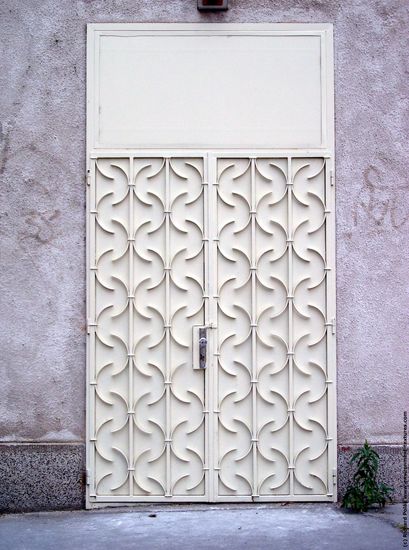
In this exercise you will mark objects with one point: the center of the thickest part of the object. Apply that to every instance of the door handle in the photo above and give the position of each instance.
(200, 343)
(202, 348)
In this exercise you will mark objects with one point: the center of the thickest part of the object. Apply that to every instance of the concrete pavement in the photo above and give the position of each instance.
(205, 527)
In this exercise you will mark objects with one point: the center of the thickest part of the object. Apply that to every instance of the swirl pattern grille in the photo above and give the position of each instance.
(148, 286)
(272, 328)
(247, 255)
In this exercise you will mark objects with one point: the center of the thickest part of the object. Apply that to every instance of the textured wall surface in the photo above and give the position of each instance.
(41, 477)
(42, 390)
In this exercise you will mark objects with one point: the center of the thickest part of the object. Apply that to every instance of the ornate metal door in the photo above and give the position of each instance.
(275, 326)
(148, 286)
(211, 303)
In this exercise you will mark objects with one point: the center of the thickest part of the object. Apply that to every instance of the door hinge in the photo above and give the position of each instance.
(334, 476)
(331, 178)
(88, 177)
(91, 325)
(87, 477)
(331, 324)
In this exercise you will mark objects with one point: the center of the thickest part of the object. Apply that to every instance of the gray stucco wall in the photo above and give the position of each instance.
(42, 390)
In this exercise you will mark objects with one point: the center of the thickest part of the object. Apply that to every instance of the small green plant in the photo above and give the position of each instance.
(365, 489)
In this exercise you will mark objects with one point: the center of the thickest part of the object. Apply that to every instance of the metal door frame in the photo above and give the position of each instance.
(210, 157)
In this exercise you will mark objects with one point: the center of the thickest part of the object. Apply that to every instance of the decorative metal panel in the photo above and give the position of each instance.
(147, 286)
(274, 329)
(211, 329)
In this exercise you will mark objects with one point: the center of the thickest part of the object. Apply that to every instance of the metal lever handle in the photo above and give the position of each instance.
(202, 348)
(199, 347)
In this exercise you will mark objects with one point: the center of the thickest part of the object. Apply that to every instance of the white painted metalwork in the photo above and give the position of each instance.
(274, 436)
(234, 246)
(209, 86)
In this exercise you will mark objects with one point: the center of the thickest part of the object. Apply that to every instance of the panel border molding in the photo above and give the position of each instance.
(322, 30)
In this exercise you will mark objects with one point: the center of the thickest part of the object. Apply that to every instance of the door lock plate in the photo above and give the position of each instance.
(199, 348)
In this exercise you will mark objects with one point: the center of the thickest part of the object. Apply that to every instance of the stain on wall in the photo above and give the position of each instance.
(379, 204)
(42, 216)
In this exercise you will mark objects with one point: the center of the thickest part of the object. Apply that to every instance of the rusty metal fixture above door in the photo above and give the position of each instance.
(212, 5)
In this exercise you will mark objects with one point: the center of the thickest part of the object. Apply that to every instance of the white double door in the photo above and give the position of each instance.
(240, 245)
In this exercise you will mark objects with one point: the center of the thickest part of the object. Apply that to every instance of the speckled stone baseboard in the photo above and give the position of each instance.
(36, 477)
(390, 467)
